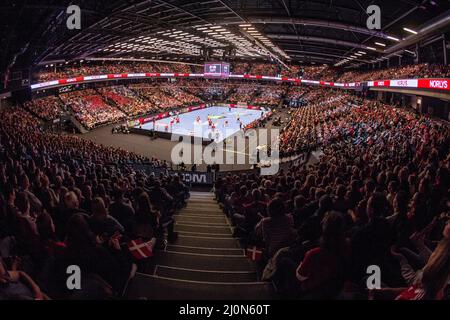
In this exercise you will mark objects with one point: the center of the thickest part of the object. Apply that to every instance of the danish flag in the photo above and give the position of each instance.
(140, 249)
(254, 253)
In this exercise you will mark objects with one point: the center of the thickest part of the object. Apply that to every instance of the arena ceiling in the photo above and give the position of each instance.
(312, 31)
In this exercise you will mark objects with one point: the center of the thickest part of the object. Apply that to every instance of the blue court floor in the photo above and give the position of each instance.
(225, 121)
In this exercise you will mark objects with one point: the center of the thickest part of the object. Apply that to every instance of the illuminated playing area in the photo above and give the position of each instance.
(224, 122)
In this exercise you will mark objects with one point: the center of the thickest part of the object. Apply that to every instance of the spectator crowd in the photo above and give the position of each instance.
(48, 108)
(378, 196)
(116, 67)
(310, 72)
(91, 109)
(67, 201)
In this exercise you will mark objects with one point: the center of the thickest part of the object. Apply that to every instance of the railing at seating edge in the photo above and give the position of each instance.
(209, 178)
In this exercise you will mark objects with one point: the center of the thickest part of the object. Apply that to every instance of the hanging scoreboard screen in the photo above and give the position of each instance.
(217, 70)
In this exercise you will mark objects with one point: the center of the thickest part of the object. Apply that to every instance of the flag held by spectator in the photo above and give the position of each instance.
(254, 253)
(140, 249)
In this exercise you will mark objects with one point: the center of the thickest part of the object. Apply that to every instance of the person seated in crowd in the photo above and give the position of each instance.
(322, 272)
(276, 230)
(252, 212)
(94, 255)
(147, 218)
(371, 243)
(122, 210)
(47, 235)
(430, 282)
(71, 207)
(18, 285)
(178, 190)
(101, 223)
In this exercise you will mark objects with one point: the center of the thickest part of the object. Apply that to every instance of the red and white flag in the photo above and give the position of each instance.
(140, 249)
(254, 253)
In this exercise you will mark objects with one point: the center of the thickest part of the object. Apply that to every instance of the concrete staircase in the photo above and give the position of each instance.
(77, 124)
(206, 262)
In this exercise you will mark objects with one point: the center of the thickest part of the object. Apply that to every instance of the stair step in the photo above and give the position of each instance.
(205, 250)
(206, 242)
(204, 235)
(205, 275)
(203, 200)
(207, 199)
(202, 212)
(212, 224)
(200, 209)
(198, 196)
(203, 205)
(213, 208)
(201, 219)
(204, 262)
(200, 193)
(195, 215)
(220, 231)
(189, 211)
(158, 288)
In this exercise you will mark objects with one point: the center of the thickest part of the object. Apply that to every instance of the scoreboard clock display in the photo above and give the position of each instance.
(217, 70)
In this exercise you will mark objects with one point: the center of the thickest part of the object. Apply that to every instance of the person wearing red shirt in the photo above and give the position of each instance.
(322, 272)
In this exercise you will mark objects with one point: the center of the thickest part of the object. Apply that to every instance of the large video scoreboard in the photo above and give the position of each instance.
(217, 70)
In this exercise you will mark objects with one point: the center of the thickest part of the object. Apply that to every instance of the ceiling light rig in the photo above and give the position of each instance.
(393, 38)
(269, 49)
(191, 42)
(410, 30)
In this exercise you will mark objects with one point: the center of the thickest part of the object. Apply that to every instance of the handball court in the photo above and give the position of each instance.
(213, 123)
(161, 148)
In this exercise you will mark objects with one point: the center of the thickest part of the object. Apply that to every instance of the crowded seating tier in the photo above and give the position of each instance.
(378, 196)
(313, 72)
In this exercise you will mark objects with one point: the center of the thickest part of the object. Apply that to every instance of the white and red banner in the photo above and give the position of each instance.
(405, 83)
(99, 77)
(429, 84)
(435, 84)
